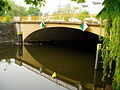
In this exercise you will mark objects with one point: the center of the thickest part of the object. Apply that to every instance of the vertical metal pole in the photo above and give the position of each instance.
(19, 33)
(20, 38)
(19, 55)
(98, 57)
(20, 50)
(97, 83)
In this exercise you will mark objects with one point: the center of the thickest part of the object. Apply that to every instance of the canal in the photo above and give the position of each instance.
(30, 67)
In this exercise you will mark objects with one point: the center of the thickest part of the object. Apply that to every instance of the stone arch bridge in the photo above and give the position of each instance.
(29, 28)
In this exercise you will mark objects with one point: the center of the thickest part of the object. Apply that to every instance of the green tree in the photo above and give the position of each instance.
(70, 12)
(111, 42)
(36, 2)
(34, 11)
(4, 5)
(16, 10)
(41, 2)
(84, 13)
(68, 9)
(2, 13)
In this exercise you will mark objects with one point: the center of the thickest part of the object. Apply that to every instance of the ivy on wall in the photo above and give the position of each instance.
(111, 42)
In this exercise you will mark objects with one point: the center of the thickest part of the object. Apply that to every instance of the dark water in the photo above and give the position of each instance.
(30, 67)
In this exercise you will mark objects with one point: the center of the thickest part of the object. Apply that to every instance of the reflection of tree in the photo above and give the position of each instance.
(4, 64)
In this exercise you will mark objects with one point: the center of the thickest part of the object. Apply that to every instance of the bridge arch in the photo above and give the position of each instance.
(29, 27)
(60, 34)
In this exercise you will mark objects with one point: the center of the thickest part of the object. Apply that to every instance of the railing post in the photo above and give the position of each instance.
(29, 17)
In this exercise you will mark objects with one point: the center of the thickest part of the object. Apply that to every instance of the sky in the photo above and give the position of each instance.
(52, 5)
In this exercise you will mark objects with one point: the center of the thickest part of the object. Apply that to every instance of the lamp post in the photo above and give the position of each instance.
(96, 3)
(84, 5)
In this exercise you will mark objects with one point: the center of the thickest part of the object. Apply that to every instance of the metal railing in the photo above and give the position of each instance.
(3, 19)
(60, 18)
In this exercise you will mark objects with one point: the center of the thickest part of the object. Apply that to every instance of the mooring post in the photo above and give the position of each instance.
(98, 57)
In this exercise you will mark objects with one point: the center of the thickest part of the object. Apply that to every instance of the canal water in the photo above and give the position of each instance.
(31, 67)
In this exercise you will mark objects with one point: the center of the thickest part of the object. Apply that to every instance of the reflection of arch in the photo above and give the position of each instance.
(52, 57)
(59, 34)
(40, 55)
(28, 61)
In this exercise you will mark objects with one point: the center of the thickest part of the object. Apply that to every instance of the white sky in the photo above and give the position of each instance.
(52, 5)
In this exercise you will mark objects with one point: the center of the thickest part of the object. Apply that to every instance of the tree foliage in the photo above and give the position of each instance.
(68, 9)
(79, 1)
(15, 10)
(69, 12)
(111, 41)
(111, 9)
(34, 11)
(41, 2)
(4, 5)
(36, 2)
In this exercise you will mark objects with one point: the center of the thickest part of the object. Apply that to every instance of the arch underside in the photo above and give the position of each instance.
(60, 34)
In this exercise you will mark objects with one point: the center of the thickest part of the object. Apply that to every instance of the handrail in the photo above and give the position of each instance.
(59, 17)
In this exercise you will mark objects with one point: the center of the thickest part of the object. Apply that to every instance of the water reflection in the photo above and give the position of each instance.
(33, 65)
(20, 78)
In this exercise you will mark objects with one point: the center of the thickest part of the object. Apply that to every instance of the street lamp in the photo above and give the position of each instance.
(96, 3)
(84, 5)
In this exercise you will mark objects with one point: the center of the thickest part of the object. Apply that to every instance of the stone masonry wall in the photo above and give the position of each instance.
(8, 32)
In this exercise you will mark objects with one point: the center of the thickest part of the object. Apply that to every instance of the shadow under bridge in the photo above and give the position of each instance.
(60, 34)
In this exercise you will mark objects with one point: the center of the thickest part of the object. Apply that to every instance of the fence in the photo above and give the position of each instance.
(60, 18)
